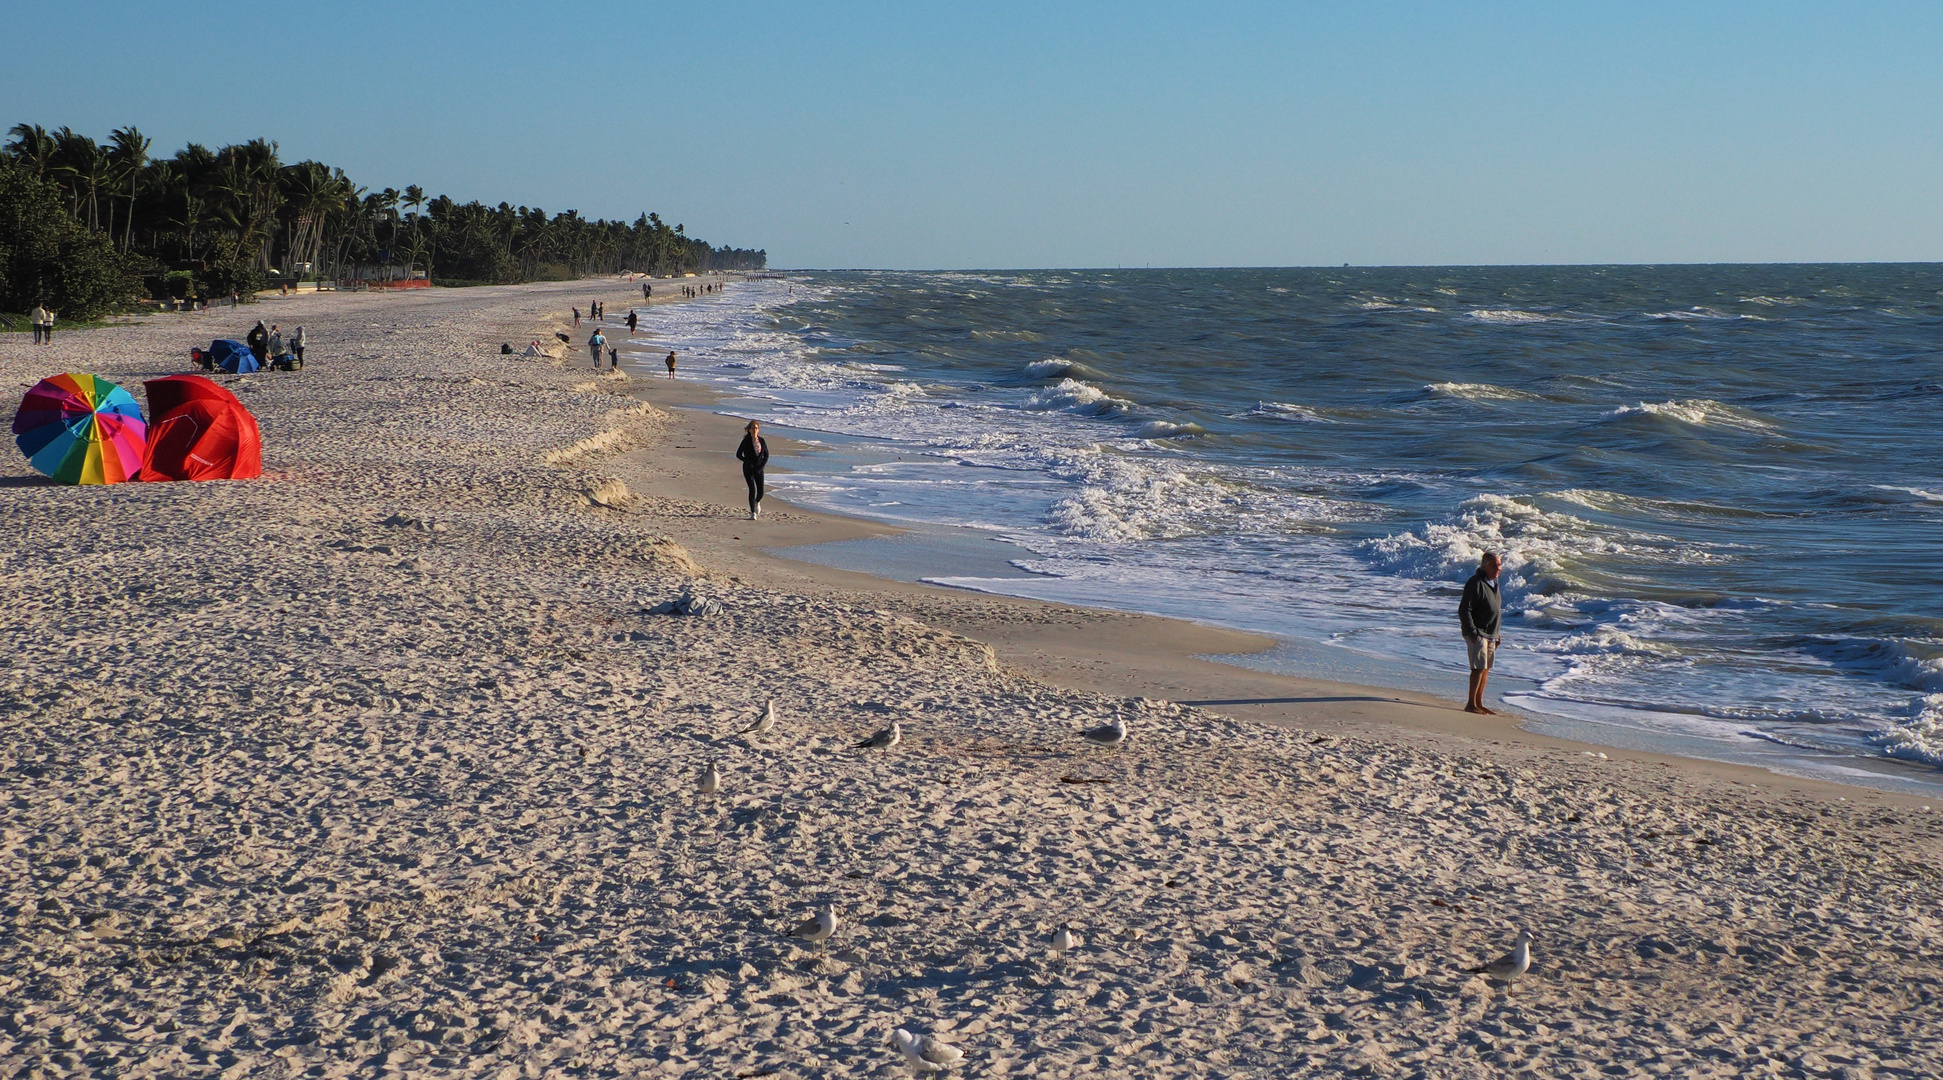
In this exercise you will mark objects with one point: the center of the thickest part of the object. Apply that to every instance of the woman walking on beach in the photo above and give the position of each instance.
(754, 455)
(594, 345)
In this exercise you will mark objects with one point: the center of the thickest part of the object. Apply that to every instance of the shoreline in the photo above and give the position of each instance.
(389, 761)
(1103, 650)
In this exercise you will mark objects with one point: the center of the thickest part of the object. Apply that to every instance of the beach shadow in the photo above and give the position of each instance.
(1293, 700)
(25, 481)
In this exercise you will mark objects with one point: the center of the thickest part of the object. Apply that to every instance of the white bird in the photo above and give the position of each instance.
(765, 723)
(884, 739)
(927, 1054)
(818, 930)
(1064, 940)
(711, 781)
(1107, 734)
(1511, 965)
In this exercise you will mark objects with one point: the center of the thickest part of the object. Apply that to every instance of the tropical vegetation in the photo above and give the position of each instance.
(85, 226)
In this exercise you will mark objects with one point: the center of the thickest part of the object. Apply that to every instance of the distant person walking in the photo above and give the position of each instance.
(671, 364)
(632, 320)
(754, 456)
(43, 321)
(594, 345)
(647, 291)
(576, 316)
(1479, 614)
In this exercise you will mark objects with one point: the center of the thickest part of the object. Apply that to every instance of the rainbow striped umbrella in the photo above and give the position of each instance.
(81, 429)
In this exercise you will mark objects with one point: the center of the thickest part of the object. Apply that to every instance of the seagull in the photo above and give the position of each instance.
(817, 930)
(764, 723)
(1064, 940)
(1107, 734)
(1512, 964)
(711, 781)
(884, 739)
(927, 1054)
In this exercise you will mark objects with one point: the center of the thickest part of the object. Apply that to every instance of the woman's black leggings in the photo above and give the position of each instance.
(753, 477)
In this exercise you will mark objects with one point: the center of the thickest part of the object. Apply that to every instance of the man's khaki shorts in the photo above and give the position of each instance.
(1482, 650)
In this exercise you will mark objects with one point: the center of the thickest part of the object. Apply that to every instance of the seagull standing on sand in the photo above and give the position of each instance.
(884, 739)
(818, 930)
(764, 723)
(1511, 965)
(928, 1054)
(1065, 941)
(711, 781)
(1107, 734)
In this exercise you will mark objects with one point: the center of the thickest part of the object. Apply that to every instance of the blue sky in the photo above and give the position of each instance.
(1047, 134)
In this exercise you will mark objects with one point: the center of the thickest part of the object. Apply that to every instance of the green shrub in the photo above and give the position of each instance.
(46, 257)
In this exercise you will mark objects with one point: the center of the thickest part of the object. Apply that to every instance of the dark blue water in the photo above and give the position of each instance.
(1717, 488)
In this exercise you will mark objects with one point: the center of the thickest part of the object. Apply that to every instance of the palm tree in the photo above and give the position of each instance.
(130, 155)
(33, 148)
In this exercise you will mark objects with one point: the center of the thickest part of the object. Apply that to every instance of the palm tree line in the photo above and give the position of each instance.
(230, 217)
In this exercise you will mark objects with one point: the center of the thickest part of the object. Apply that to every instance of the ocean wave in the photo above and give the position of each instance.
(1925, 496)
(1540, 548)
(1282, 410)
(1509, 316)
(1920, 737)
(1382, 303)
(1700, 412)
(1698, 314)
(1004, 335)
(1071, 395)
(1480, 392)
(1603, 641)
(1167, 429)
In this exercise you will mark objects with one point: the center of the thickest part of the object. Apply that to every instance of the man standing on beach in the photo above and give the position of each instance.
(1479, 613)
(594, 345)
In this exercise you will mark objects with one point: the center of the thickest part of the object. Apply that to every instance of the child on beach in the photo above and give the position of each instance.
(671, 364)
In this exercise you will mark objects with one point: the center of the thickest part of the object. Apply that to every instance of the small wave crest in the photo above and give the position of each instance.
(1479, 392)
(1509, 316)
(1283, 410)
(1699, 412)
(1167, 429)
(1071, 395)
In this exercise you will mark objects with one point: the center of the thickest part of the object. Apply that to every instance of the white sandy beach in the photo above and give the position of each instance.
(382, 764)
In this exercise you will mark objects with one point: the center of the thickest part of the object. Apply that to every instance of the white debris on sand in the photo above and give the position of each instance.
(377, 764)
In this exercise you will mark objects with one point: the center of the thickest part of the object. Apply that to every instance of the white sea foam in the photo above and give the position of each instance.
(1698, 412)
(1071, 395)
(1282, 410)
(1480, 392)
(1698, 314)
(1509, 316)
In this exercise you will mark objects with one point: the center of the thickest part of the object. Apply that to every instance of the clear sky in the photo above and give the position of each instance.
(1001, 134)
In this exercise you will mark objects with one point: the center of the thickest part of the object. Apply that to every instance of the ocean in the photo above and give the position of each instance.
(1718, 489)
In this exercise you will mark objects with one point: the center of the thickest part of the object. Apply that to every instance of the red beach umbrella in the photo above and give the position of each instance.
(200, 432)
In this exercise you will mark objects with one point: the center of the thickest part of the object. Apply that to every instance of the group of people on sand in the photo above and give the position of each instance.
(692, 291)
(597, 342)
(272, 350)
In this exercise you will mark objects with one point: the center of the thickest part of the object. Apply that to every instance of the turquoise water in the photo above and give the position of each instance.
(1717, 488)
